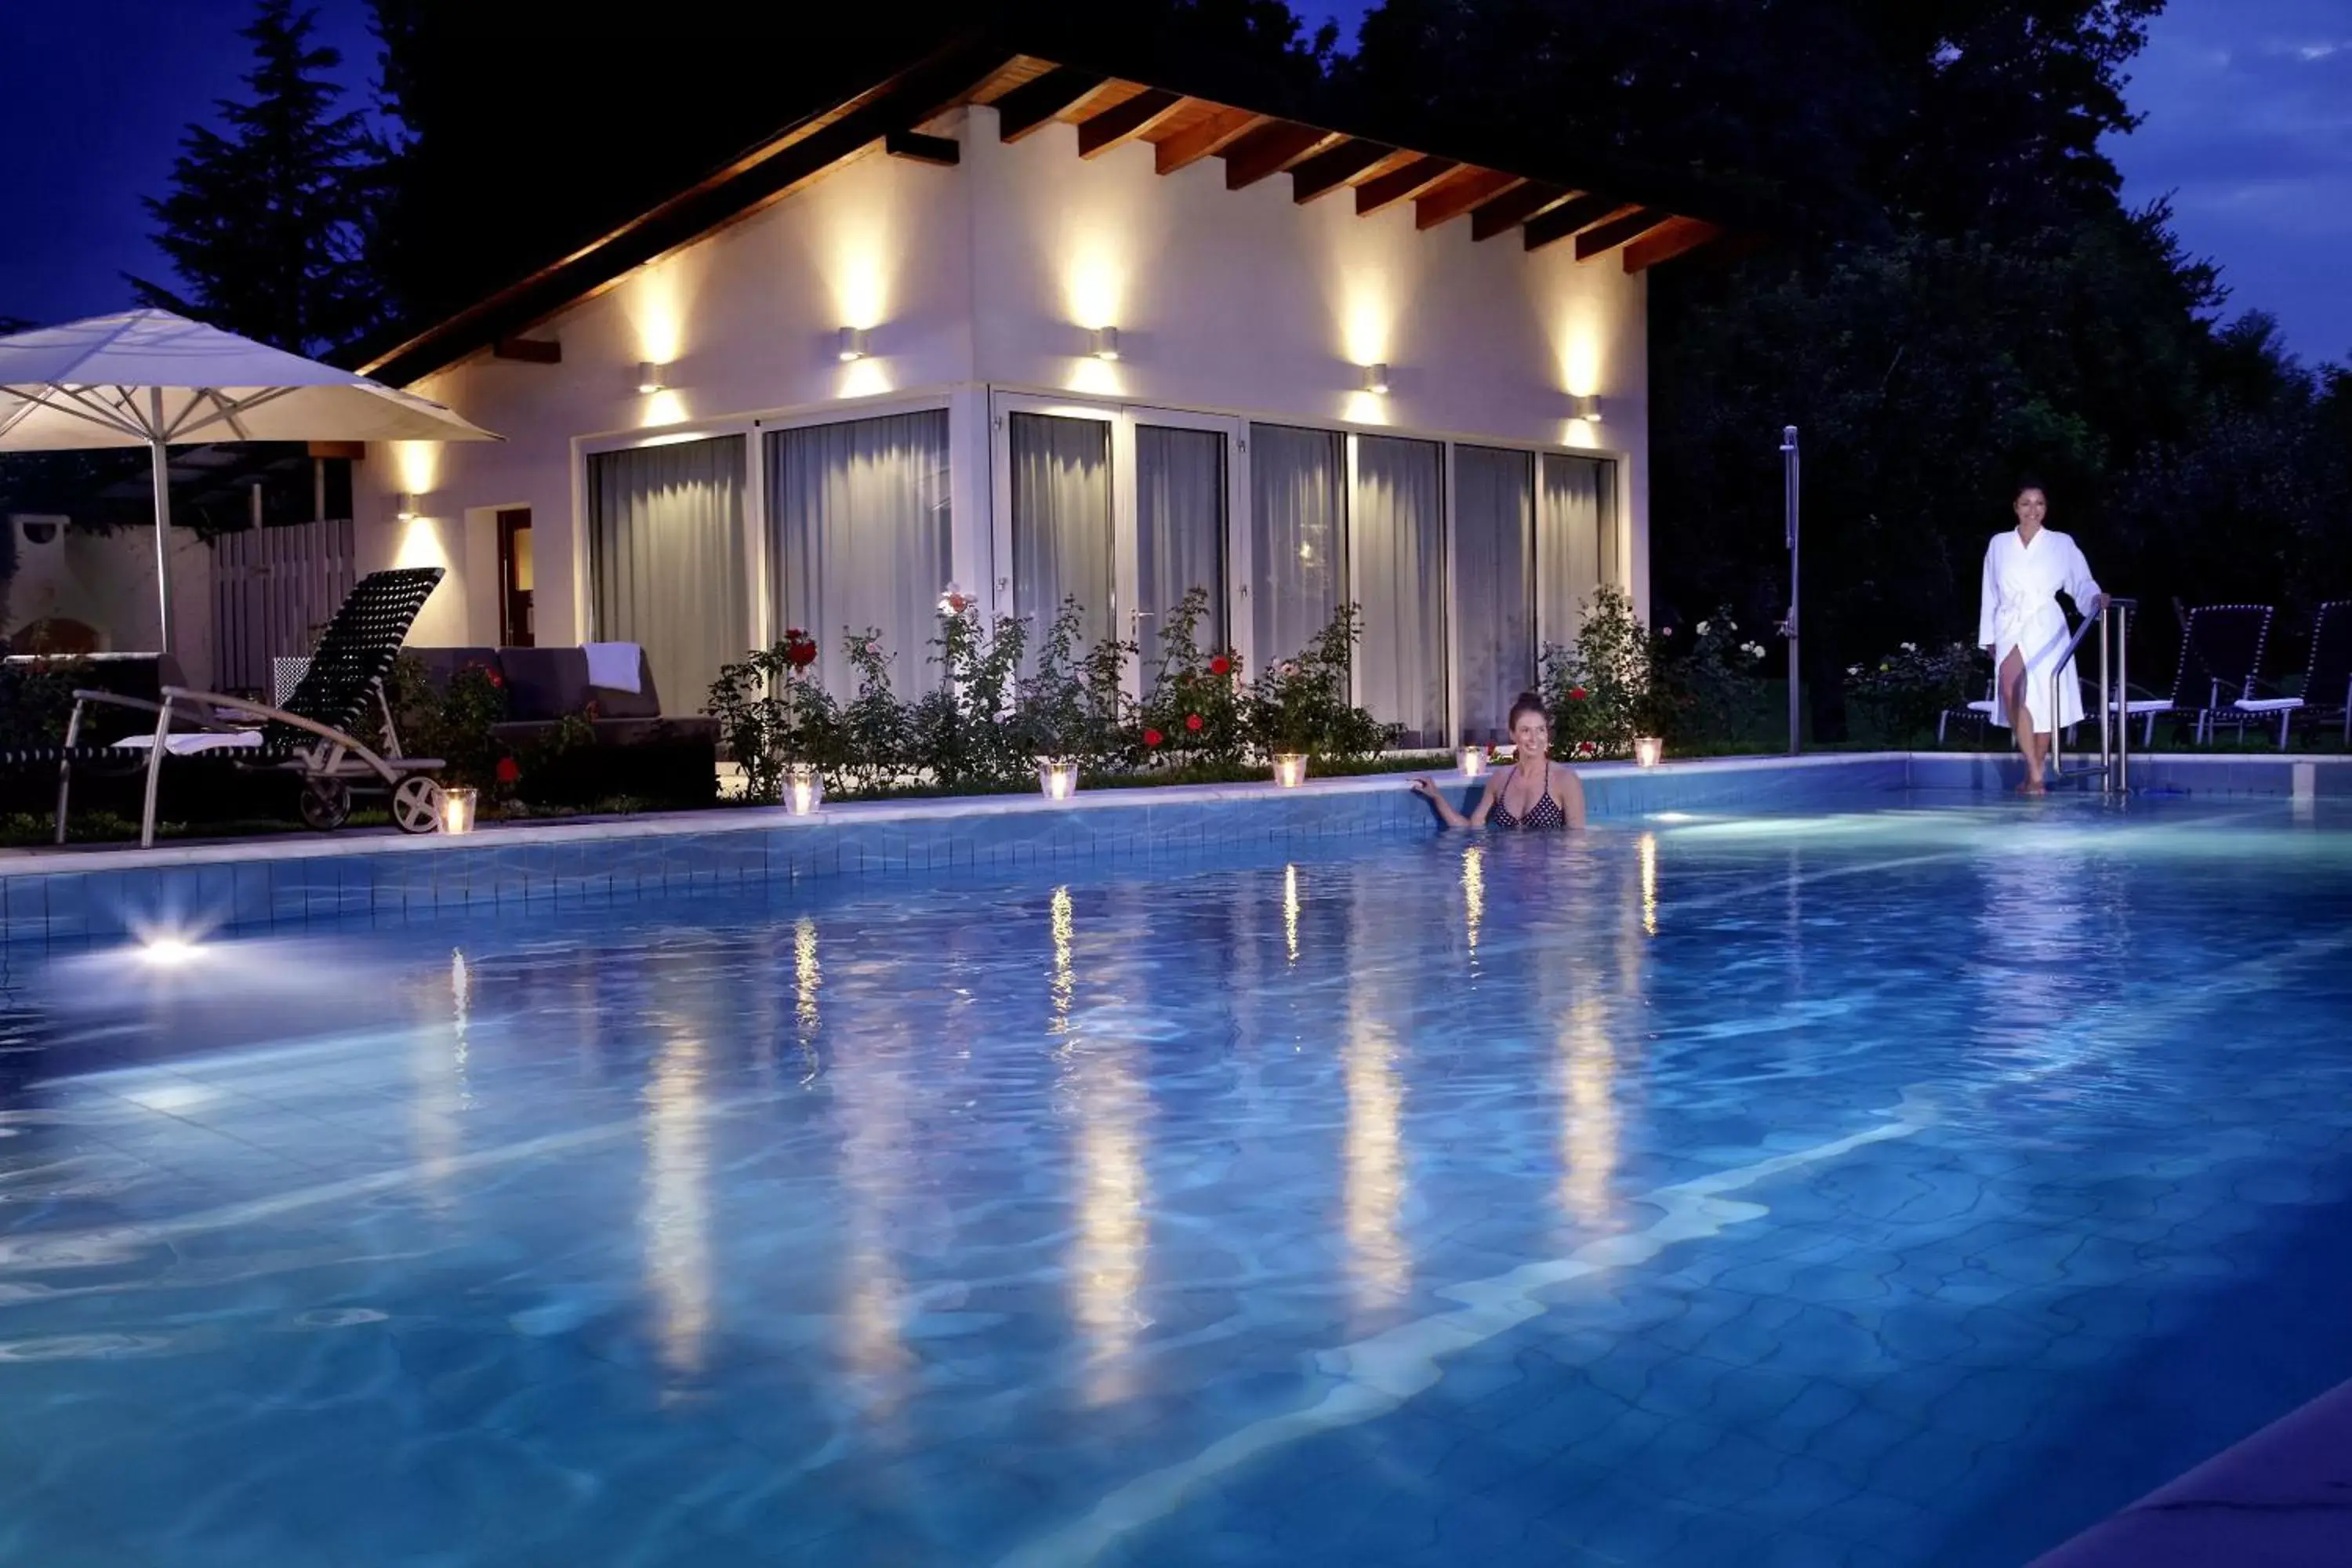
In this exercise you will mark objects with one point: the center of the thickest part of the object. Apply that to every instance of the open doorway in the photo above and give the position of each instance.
(514, 578)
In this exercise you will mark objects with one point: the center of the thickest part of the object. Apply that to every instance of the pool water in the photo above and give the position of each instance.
(1906, 1185)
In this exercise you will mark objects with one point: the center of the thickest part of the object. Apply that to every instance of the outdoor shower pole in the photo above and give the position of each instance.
(1789, 627)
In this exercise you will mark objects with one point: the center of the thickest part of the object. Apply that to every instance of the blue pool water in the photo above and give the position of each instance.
(1904, 1186)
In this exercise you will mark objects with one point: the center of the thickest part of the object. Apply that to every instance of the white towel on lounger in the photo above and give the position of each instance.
(189, 744)
(613, 665)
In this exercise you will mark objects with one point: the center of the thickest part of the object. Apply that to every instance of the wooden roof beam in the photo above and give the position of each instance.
(1269, 150)
(941, 152)
(1032, 106)
(1512, 208)
(1458, 195)
(1578, 212)
(1122, 122)
(1333, 167)
(1400, 185)
(1675, 238)
(1212, 135)
(1617, 231)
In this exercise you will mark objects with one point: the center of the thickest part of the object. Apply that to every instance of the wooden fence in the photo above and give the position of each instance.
(273, 590)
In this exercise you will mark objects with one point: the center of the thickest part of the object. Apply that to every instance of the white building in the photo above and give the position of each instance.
(1023, 329)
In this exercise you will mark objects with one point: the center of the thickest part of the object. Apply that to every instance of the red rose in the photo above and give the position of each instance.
(1220, 664)
(496, 680)
(1192, 723)
(509, 770)
(1577, 694)
(800, 651)
(1152, 737)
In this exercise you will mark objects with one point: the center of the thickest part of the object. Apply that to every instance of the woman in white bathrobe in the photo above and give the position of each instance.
(2022, 627)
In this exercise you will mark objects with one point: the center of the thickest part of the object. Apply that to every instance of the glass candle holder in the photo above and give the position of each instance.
(1057, 777)
(1648, 749)
(458, 810)
(1472, 760)
(804, 789)
(1290, 769)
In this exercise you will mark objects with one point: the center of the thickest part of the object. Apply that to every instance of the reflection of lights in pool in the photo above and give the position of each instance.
(160, 952)
(1672, 817)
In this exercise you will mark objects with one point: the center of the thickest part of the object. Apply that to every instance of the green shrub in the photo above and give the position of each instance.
(1300, 704)
(772, 715)
(1193, 713)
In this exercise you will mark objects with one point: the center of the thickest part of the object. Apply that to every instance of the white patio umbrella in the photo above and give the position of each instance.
(149, 378)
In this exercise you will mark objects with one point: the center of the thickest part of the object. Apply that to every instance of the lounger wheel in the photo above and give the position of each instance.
(416, 805)
(326, 803)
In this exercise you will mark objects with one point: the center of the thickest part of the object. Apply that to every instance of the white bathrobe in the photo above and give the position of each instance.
(2021, 611)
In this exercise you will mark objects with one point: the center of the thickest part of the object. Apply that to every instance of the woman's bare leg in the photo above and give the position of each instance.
(2021, 721)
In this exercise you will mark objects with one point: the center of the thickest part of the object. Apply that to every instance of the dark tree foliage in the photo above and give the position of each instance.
(1953, 294)
(263, 223)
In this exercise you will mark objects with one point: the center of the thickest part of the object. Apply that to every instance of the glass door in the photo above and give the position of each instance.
(1058, 522)
(1184, 480)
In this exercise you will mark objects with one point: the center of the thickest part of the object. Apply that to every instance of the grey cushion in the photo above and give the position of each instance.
(544, 682)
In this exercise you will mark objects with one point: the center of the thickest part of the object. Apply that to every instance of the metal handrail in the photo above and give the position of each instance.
(2115, 717)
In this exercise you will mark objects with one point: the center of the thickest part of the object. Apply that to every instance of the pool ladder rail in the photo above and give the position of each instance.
(2113, 770)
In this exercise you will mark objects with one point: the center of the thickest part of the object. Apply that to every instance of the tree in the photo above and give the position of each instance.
(263, 223)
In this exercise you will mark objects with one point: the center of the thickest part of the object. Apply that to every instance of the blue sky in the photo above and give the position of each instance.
(2248, 106)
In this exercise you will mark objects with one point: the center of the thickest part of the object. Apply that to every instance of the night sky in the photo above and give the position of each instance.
(2248, 106)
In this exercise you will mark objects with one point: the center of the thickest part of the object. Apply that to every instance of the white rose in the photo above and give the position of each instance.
(1853, 669)
(1910, 647)
(1702, 628)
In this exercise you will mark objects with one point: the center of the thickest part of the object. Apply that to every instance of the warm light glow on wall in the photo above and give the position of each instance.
(864, 378)
(416, 465)
(1097, 378)
(1366, 317)
(1365, 408)
(667, 406)
(421, 545)
(654, 302)
(1093, 282)
(858, 255)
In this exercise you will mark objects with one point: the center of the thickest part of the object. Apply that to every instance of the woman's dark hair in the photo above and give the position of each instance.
(1528, 702)
(2027, 482)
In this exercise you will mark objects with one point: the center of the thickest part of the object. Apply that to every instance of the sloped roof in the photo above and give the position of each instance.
(1541, 208)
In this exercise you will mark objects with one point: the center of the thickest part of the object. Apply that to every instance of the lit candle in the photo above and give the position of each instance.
(1290, 769)
(1474, 760)
(1648, 749)
(457, 811)
(1057, 777)
(804, 789)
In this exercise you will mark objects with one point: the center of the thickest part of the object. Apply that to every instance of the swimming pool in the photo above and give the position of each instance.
(1907, 1185)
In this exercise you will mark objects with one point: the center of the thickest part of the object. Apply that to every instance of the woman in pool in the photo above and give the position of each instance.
(1535, 793)
(2021, 625)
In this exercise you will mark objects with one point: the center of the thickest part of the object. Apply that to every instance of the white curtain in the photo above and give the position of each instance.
(1400, 545)
(1575, 540)
(1297, 535)
(859, 517)
(1180, 517)
(665, 553)
(1494, 584)
(1061, 519)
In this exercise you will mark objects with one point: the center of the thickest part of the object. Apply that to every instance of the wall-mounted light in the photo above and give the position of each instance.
(854, 345)
(1106, 343)
(404, 505)
(1376, 380)
(1585, 405)
(652, 377)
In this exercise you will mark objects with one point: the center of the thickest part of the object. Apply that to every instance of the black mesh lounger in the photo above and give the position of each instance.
(313, 737)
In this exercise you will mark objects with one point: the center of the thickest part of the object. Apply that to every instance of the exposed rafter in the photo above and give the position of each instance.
(942, 152)
(1576, 213)
(1032, 105)
(1678, 238)
(1605, 237)
(1125, 120)
(1512, 208)
(1269, 150)
(1452, 197)
(1333, 167)
(1400, 185)
(1212, 135)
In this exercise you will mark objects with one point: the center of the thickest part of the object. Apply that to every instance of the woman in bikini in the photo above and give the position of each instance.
(1536, 793)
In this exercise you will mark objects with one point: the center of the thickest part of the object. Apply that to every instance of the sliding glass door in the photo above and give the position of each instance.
(666, 560)
(1575, 540)
(1494, 586)
(1062, 522)
(1180, 521)
(1297, 536)
(860, 535)
(1398, 548)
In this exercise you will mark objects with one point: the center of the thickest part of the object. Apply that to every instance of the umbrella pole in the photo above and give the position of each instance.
(163, 542)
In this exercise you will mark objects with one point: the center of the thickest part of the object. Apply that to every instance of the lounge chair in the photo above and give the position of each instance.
(2326, 683)
(2220, 654)
(314, 737)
